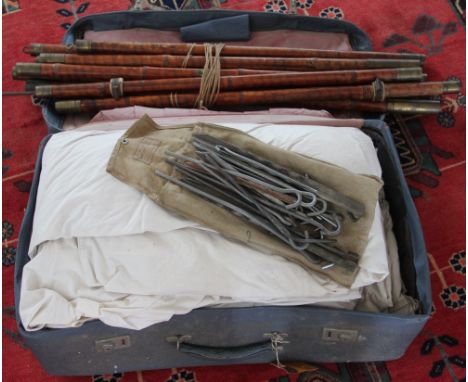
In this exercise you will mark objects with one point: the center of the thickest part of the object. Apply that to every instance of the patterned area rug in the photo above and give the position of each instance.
(437, 182)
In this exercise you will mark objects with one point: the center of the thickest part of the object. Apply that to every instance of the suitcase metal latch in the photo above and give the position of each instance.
(340, 335)
(111, 344)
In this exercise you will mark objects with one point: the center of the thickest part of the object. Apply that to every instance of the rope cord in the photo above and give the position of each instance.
(210, 78)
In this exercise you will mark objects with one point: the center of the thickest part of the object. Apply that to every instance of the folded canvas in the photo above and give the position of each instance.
(103, 250)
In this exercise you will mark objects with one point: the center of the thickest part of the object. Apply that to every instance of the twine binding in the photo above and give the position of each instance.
(277, 339)
(173, 99)
(187, 57)
(210, 78)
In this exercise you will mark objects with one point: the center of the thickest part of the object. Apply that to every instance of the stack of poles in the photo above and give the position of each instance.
(92, 76)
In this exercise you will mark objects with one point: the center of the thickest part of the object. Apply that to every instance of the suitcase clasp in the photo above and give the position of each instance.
(340, 335)
(111, 344)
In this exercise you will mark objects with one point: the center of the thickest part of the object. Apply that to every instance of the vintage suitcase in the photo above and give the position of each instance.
(241, 335)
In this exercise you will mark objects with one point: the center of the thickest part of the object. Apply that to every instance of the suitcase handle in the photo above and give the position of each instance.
(232, 352)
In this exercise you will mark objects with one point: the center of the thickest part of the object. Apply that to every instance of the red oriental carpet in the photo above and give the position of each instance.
(436, 29)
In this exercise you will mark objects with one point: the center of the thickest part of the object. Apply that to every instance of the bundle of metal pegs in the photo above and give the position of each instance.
(300, 212)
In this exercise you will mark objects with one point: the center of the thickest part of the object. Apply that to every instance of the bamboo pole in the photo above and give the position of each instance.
(269, 63)
(424, 89)
(288, 80)
(374, 92)
(83, 73)
(391, 106)
(86, 46)
(104, 47)
(35, 49)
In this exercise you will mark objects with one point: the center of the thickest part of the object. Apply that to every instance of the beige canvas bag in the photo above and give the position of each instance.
(141, 150)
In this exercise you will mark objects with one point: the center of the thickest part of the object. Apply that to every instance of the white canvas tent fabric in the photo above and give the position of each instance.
(102, 250)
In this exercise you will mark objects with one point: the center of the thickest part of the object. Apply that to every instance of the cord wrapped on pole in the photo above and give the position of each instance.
(210, 80)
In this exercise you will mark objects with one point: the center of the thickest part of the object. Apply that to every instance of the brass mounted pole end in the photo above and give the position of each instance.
(34, 49)
(24, 70)
(452, 86)
(64, 107)
(409, 74)
(51, 58)
(414, 107)
(43, 91)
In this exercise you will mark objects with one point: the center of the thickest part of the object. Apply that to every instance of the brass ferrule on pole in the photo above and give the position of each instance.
(63, 107)
(51, 58)
(25, 70)
(414, 107)
(410, 74)
(390, 106)
(452, 86)
(43, 91)
(34, 49)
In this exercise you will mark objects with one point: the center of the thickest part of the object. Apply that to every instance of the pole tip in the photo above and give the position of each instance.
(25, 70)
(33, 49)
(414, 107)
(51, 58)
(409, 74)
(452, 86)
